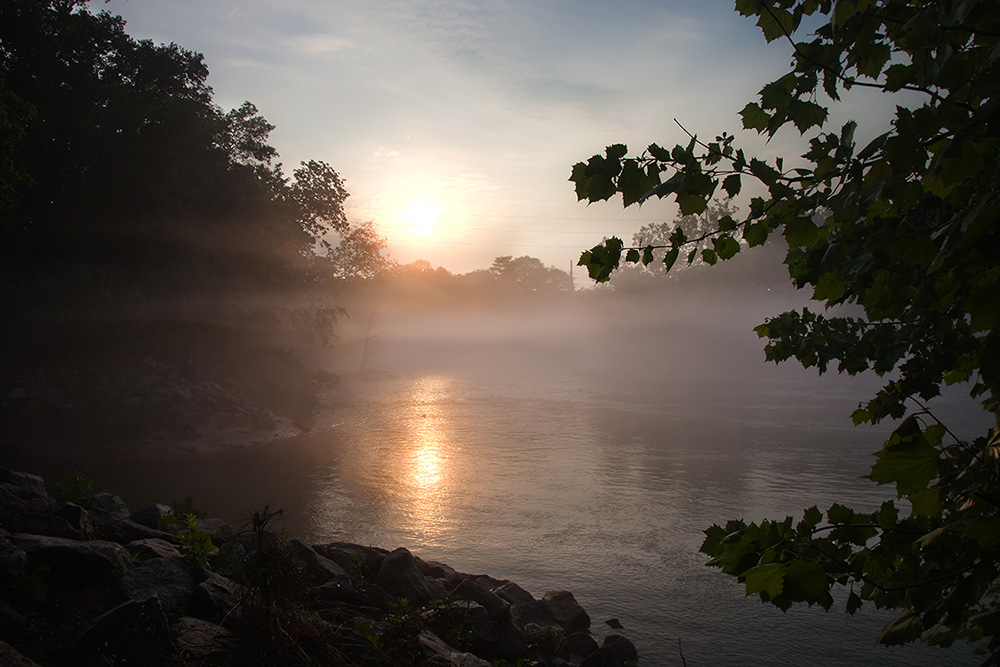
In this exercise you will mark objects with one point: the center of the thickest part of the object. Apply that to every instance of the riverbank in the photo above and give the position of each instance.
(86, 581)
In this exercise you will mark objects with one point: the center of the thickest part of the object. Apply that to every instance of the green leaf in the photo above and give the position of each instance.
(754, 118)
(670, 258)
(691, 204)
(709, 256)
(768, 579)
(853, 603)
(755, 234)
(632, 256)
(907, 460)
(905, 628)
(647, 255)
(732, 184)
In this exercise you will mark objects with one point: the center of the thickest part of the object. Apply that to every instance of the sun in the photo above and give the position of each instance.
(421, 217)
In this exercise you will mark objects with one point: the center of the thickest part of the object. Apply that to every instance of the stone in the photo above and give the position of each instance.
(199, 640)
(133, 633)
(35, 523)
(624, 650)
(73, 562)
(437, 589)
(220, 531)
(567, 611)
(602, 657)
(439, 653)
(169, 579)
(214, 598)
(438, 570)
(497, 607)
(364, 562)
(511, 641)
(106, 508)
(400, 576)
(319, 569)
(581, 644)
(152, 547)
(537, 612)
(152, 516)
(77, 517)
(514, 594)
(11, 658)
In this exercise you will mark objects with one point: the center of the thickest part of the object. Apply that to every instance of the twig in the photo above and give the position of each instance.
(681, 652)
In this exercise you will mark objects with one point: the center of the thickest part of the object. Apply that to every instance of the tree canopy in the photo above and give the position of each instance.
(904, 227)
(138, 217)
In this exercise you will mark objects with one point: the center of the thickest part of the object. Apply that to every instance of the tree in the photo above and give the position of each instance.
(911, 236)
(359, 253)
(523, 275)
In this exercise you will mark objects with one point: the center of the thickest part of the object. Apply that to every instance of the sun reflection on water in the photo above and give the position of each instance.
(428, 470)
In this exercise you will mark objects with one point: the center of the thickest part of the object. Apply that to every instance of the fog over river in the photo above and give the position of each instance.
(587, 450)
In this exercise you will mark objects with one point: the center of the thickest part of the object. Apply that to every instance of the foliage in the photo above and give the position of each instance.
(195, 545)
(904, 228)
(139, 217)
(523, 275)
(77, 487)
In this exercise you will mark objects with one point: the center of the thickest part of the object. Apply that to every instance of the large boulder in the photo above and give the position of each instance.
(199, 641)
(498, 609)
(169, 579)
(23, 492)
(358, 561)
(401, 576)
(11, 658)
(134, 633)
(319, 569)
(152, 516)
(438, 652)
(37, 523)
(215, 598)
(568, 612)
(72, 562)
(513, 593)
(152, 547)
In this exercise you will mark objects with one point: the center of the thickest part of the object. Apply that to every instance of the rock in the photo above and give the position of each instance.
(511, 642)
(438, 570)
(72, 562)
(514, 594)
(581, 644)
(336, 591)
(124, 531)
(35, 523)
(439, 653)
(215, 598)
(537, 612)
(567, 611)
(199, 640)
(356, 560)
(77, 517)
(400, 576)
(152, 547)
(134, 633)
(152, 516)
(217, 529)
(623, 649)
(499, 609)
(169, 579)
(319, 569)
(22, 492)
(602, 657)
(437, 589)
(106, 508)
(11, 658)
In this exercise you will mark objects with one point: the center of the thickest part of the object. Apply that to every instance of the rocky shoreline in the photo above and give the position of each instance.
(85, 581)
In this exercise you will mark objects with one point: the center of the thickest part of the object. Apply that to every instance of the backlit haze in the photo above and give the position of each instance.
(455, 124)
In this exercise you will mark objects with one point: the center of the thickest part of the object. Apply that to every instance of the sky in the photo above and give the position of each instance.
(455, 123)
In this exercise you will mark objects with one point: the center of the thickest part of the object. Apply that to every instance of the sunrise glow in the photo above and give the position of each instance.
(420, 217)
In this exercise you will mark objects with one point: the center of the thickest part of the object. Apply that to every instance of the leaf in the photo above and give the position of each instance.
(670, 258)
(755, 118)
(732, 184)
(755, 234)
(632, 256)
(907, 460)
(853, 603)
(768, 579)
(905, 628)
(691, 204)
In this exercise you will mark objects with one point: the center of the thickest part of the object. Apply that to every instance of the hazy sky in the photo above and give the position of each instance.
(474, 110)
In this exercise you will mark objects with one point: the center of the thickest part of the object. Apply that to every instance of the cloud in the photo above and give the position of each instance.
(318, 45)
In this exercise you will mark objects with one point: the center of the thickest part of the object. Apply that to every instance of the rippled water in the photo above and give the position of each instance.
(560, 483)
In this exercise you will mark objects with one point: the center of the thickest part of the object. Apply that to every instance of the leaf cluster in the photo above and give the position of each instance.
(903, 228)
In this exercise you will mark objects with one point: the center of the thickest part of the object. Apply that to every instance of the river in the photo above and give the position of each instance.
(555, 472)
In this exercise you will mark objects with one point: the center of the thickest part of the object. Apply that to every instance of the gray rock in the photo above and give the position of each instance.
(439, 653)
(198, 640)
(24, 485)
(73, 562)
(220, 531)
(602, 657)
(511, 641)
(438, 570)
(568, 612)
(75, 516)
(124, 531)
(169, 579)
(498, 608)
(537, 612)
(319, 569)
(623, 649)
(11, 658)
(134, 633)
(35, 523)
(356, 560)
(513, 593)
(581, 644)
(434, 586)
(152, 516)
(215, 598)
(400, 576)
(106, 508)
(152, 547)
